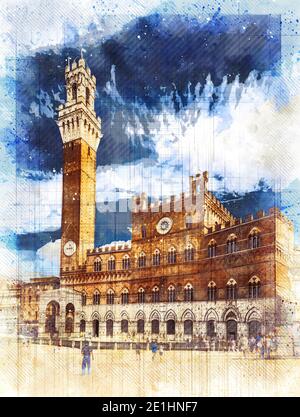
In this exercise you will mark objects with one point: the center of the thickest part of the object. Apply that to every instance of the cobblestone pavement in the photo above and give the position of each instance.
(41, 370)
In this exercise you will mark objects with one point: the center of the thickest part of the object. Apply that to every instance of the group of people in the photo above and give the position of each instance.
(261, 345)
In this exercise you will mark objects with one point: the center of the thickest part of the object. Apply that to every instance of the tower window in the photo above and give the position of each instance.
(74, 91)
(87, 95)
(89, 151)
(144, 232)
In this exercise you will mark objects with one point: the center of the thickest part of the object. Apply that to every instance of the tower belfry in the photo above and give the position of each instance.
(80, 130)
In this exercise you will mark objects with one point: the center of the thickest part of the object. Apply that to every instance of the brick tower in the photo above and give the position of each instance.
(80, 130)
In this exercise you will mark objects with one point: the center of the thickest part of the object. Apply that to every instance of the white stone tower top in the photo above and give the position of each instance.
(77, 117)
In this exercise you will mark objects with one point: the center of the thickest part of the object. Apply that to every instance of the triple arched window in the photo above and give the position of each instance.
(254, 287)
(172, 255)
(254, 239)
(231, 290)
(110, 297)
(188, 293)
(142, 260)
(126, 262)
(212, 249)
(111, 263)
(156, 258)
(189, 253)
(97, 265)
(125, 296)
(155, 295)
(141, 296)
(96, 297)
(212, 291)
(171, 294)
(231, 244)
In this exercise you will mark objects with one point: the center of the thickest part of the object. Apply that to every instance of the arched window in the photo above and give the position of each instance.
(211, 328)
(87, 95)
(140, 326)
(126, 262)
(82, 326)
(231, 244)
(171, 294)
(97, 265)
(189, 253)
(124, 326)
(172, 255)
(125, 296)
(109, 327)
(156, 258)
(171, 327)
(254, 287)
(70, 314)
(212, 291)
(95, 328)
(141, 296)
(96, 297)
(188, 327)
(188, 293)
(142, 260)
(74, 91)
(155, 326)
(83, 298)
(155, 295)
(111, 264)
(254, 239)
(212, 249)
(144, 231)
(231, 289)
(110, 297)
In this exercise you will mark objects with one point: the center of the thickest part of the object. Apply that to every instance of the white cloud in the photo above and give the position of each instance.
(252, 134)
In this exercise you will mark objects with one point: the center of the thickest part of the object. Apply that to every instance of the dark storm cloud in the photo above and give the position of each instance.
(154, 55)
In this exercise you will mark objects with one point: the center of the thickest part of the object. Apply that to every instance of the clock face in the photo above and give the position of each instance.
(70, 248)
(164, 225)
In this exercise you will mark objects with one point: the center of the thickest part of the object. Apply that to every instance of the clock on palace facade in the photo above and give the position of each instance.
(70, 248)
(164, 225)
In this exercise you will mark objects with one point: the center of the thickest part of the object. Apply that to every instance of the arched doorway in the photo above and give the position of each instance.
(170, 327)
(231, 328)
(211, 328)
(155, 326)
(140, 326)
(70, 314)
(124, 326)
(52, 314)
(254, 328)
(95, 328)
(188, 327)
(109, 327)
(82, 326)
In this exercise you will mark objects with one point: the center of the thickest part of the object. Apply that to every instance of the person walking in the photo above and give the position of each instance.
(154, 348)
(87, 352)
(268, 346)
(243, 344)
(252, 343)
(161, 351)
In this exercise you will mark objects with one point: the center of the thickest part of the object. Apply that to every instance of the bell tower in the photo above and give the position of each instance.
(80, 130)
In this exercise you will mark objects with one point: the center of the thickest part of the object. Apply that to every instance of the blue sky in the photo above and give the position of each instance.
(181, 87)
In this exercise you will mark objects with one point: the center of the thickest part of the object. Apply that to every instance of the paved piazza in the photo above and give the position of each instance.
(42, 370)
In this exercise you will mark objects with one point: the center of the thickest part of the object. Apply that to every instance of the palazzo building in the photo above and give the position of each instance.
(191, 267)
